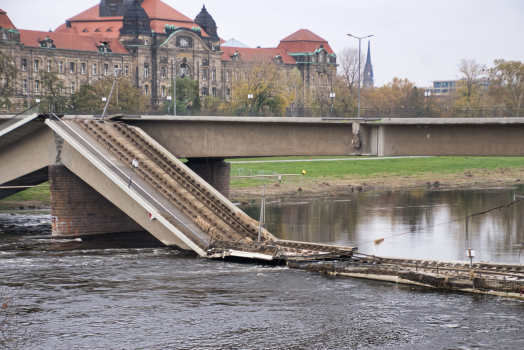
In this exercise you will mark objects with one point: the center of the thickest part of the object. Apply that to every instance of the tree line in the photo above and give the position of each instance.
(267, 86)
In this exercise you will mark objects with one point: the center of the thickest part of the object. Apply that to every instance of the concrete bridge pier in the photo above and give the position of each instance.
(79, 210)
(214, 171)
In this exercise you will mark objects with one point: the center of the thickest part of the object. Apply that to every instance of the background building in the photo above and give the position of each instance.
(152, 42)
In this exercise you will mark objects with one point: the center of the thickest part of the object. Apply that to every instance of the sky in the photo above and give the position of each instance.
(414, 39)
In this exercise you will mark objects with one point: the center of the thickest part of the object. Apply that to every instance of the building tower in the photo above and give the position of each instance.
(207, 23)
(368, 72)
(136, 28)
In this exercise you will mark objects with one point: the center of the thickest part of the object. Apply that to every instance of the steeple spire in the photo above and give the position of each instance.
(368, 71)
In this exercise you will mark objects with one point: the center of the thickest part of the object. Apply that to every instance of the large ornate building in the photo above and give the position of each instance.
(150, 42)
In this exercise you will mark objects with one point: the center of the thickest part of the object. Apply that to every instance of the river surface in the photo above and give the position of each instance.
(90, 295)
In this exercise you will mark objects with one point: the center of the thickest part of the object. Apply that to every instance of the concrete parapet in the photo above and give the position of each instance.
(78, 210)
(215, 172)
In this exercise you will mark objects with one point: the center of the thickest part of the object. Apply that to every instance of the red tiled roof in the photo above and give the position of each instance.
(255, 55)
(5, 21)
(74, 42)
(159, 13)
(303, 40)
(156, 9)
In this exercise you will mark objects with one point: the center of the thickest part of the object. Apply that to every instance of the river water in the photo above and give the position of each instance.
(89, 295)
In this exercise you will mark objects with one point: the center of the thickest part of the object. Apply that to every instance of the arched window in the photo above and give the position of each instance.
(184, 70)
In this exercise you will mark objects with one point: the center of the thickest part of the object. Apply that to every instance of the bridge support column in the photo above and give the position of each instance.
(79, 210)
(215, 172)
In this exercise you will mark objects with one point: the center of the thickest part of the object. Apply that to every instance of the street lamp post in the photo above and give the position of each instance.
(249, 97)
(332, 95)
(427, 93)
(168, 104)
(359, 39)
(174, 81)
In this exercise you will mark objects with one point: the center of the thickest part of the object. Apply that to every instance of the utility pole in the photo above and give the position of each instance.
(359, 39)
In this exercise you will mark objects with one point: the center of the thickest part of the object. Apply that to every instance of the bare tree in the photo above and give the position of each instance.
(15, 327)
(348, 67)
(472, 71)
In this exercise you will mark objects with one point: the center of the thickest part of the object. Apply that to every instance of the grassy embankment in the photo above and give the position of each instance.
(380, 173)
(332, 176)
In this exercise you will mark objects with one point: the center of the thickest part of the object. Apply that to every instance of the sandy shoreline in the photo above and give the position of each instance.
(355, 184)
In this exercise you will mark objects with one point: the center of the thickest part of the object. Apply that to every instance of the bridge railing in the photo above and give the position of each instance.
(18, 117)
(351, 113)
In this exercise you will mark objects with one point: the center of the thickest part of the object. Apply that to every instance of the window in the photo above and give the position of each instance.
(146, 42)
(37, 63)
(146, 90)
(4, 36)
(94, 68)
(204, 92)
(61, 87)
(37, 86)
(113, 7)
(228, 93)
(227, 75)
(126, 71)
(162, 72)
(83, 68)
(163, 91)
(328, 59)
(49, 66)
(146, 72)
(213, 75)
(436, 85)
(72, 87)
(320, 58)
(60, 67)
(24, 85)
(312, 58)
(72, 67)
(106, 68)
(437, 91)
(115, 66)
(445, 84)
(24, 64)
(214, 92)
(204, 75)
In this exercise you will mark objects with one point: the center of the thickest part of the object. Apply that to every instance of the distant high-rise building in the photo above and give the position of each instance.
(368, 71)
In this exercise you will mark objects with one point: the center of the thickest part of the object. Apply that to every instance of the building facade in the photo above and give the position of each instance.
(150, 43)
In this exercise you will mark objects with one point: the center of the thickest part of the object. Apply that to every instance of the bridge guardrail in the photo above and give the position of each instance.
(18, 117)
(351, 113)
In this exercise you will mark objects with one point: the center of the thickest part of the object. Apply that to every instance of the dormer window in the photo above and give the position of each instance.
(108, 30)
(104, 47)
(4, 35)
(47, 43)
(85, 31)
(236, 57)
(312, 58)
(278, 59)
(97, 30)
(113, 7)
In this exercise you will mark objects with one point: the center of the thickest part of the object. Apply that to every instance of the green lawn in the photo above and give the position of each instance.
(31, 194)
(370, 168)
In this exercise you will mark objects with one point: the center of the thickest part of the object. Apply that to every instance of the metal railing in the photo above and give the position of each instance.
(19, 117)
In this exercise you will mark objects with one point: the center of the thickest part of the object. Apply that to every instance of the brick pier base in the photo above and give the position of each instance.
(215, 172)
(79, 210)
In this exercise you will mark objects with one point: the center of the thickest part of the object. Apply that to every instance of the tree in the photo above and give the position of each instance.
(508, 82)
(399, 93)
(271, 87)
(469, 92)
(348, 68)
(187, 94)
(16, 329)
(126, 97)
(52, 87)
(7, 78)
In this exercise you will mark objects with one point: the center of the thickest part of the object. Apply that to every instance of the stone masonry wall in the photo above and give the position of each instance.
(78, 210)
(215, 173)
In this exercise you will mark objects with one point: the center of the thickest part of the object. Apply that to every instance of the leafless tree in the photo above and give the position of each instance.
(472, 71)
(348, 67)
(16, 328)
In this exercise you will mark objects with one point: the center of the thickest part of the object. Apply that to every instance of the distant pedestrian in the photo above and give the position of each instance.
(521, 291)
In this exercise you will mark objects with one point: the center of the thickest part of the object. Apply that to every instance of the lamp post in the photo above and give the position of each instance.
(168, 104)
(174, 81)
(427, 93)
(332, 95)
(471, 254)
(249, 97)
(359, 39)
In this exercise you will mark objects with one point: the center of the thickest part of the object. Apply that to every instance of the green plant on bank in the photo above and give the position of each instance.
(31, 194)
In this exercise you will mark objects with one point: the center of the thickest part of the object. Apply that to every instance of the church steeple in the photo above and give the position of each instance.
(368, 71)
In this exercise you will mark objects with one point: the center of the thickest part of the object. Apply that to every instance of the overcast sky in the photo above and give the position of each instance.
(419, 40)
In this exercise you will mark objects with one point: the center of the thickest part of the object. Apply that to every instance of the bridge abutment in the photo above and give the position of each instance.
(79, 210)
(215, 172)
